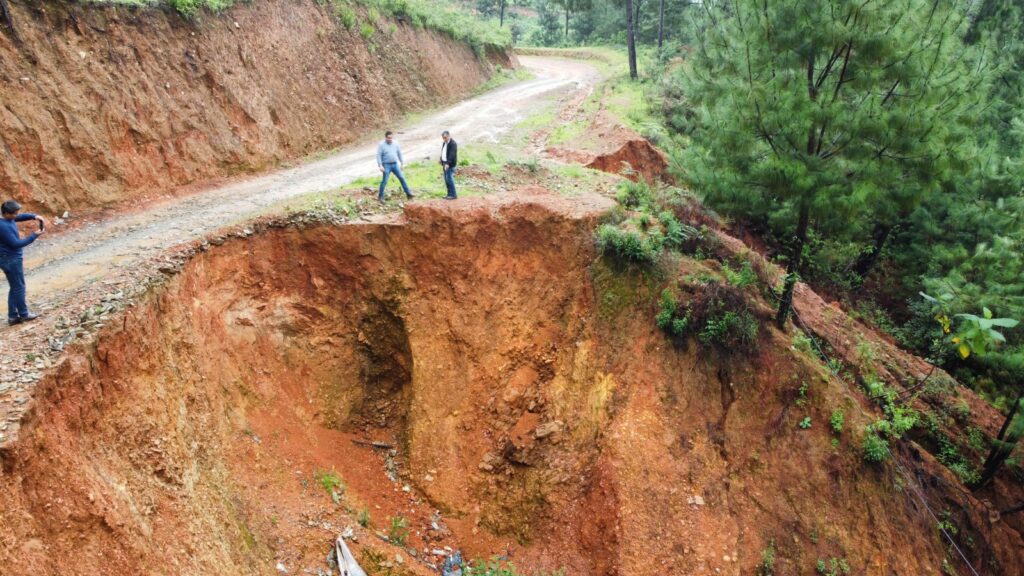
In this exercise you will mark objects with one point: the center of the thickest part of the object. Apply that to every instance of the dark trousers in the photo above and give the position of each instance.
(390, 167)
(15, 272)
(449, 180)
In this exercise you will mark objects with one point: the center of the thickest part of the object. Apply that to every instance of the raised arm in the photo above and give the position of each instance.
(9, 236)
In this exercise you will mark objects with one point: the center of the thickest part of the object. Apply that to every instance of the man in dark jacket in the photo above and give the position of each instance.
(11, 244)
(449, 160)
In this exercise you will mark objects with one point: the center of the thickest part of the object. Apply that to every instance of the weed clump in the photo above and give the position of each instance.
(718, 314)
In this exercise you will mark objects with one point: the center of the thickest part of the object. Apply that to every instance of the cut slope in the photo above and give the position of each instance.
(107, 104)
(532, 411)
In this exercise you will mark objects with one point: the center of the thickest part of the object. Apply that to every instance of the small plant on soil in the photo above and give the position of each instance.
(875, 448)
(399, 531)
(801, 395)
(803, 343)
(668, 318)
(630, 246)
(364, 518)
(767, 565)
(833, 567)
(331, 484)
(742, 278)
(498, 568)
(805, 423)
(837, 420)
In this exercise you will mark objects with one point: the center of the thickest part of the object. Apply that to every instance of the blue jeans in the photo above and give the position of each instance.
(390, 167)
(16, 306)
(449, 180)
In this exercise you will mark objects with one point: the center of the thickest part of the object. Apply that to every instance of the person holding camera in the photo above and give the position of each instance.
(11, 244)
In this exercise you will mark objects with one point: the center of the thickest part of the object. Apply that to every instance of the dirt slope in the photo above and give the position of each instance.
(99, 105)
(533, 413)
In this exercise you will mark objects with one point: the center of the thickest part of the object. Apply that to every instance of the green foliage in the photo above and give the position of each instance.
(977, 334)
(833, 567)
(496, 567)
(344, 13)
(668, 318)
(837, 420)
(805, 423)
(190, 7)
(875, 448)
(742, 278)
(629, 246)
(331, 484)
(367, 30)
(805, 133)
(767, 565)
(364, 518)
(398, 531)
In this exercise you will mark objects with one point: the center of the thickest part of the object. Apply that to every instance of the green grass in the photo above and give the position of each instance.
(424, 178)
(446, 18)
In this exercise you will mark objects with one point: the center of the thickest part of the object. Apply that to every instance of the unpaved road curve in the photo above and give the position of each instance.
(68, 261)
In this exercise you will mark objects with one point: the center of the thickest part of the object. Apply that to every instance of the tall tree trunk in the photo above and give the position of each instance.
(567, 22)
(793, 267)
(501, 14)
(867, 260)
(1003, 445)
(630, 39)
(661, 23)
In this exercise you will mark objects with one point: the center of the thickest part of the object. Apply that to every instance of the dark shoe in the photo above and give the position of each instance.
(30, 317)
(451, 197)
(410, 195)
(381, 200)
(13, 321)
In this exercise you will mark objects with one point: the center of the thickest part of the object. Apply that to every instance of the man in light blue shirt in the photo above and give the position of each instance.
(389, 159)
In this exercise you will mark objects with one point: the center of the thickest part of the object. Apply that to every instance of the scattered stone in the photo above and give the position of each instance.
(281, 568)
(696, 500)
(548, 428)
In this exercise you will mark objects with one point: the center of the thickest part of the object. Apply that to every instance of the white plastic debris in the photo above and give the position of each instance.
(347, 564)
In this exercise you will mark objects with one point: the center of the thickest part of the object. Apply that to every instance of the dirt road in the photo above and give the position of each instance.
(58, 264)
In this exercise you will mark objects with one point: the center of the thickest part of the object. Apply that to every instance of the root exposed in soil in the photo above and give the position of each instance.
(521, 406)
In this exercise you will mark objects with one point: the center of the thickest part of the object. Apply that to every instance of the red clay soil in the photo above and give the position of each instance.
(533, 414)
(636, 159)
(106, 105)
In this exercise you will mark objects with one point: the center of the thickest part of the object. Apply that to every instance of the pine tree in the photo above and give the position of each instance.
(833, 116)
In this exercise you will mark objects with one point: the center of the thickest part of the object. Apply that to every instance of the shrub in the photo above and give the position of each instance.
(669, 318)
(876, 449)
(367, 30)
(836, 420)
(724, 317)
(767, 566)
(344, 13)
(805, 423)
(834, 567)
(629, 246)
(742, 278)
(331, 484)
(635, 195)
(399, 530)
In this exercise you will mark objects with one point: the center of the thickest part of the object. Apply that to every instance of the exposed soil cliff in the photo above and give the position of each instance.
(532, 411)
(101, 105)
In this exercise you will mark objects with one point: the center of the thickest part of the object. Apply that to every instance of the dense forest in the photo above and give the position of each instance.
(875, 149)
